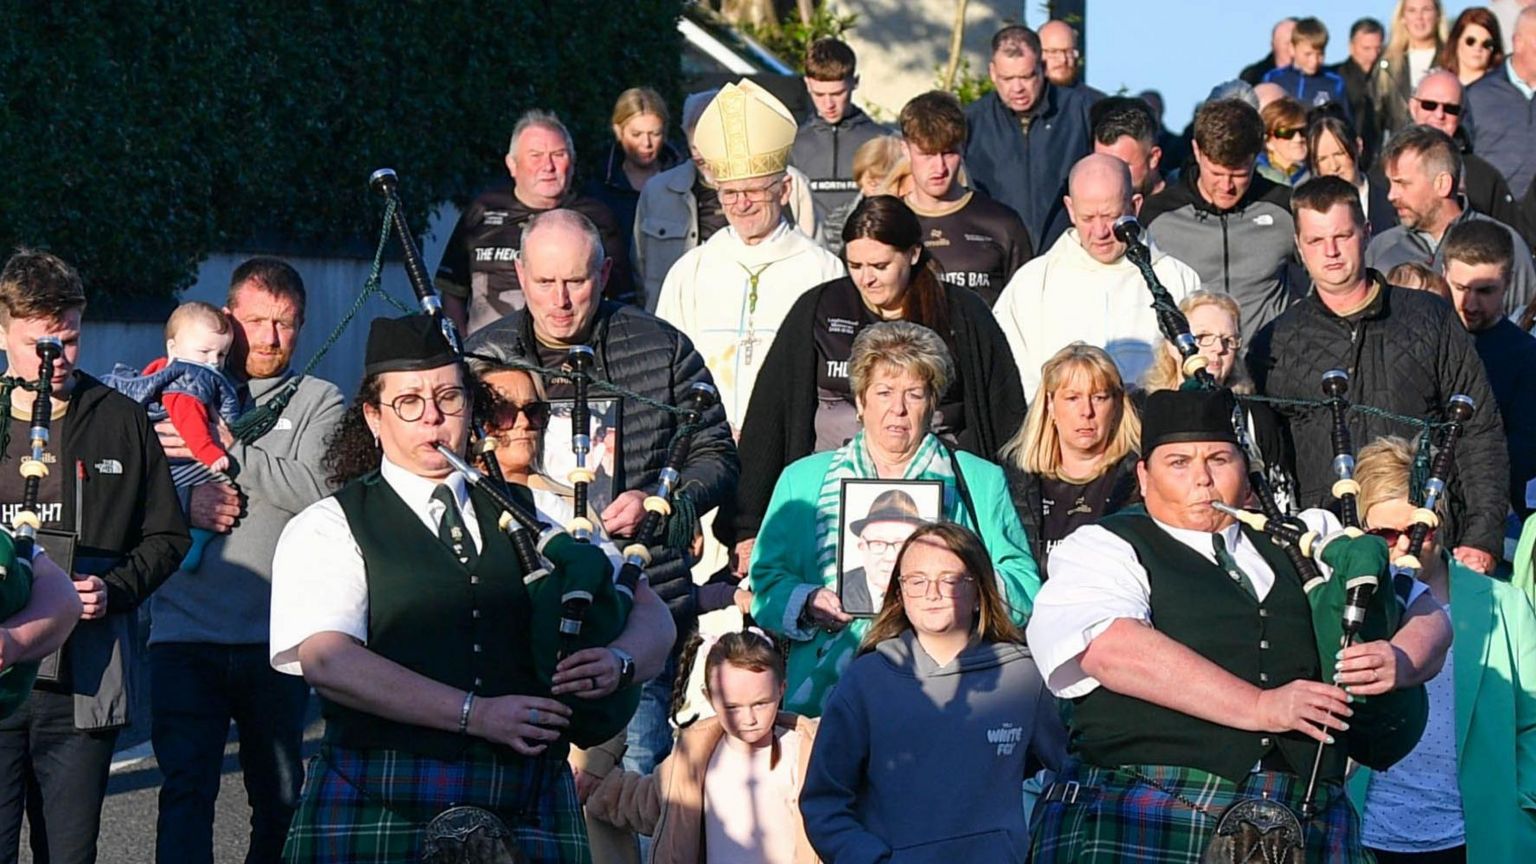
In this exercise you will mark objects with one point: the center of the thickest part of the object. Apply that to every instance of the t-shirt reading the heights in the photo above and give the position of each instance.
(978, 243)
(50, 493)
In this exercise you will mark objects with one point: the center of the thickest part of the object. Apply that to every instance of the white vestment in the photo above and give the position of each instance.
(1067, 296)
(709, 295)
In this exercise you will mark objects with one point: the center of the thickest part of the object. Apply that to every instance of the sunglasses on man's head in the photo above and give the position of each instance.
(1430, 105)
(1472, 42)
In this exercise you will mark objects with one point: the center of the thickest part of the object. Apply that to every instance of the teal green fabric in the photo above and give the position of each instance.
(785, 568)
(1525, 560)
(1495, 686)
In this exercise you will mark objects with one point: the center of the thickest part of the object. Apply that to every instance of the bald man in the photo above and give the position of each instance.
(1063, 60)
(1280, 54)
(1504, 124)
(1438, 101)
(1083, 288)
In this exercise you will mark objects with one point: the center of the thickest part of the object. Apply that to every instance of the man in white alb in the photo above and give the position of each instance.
(730, 294)
(1083, 289)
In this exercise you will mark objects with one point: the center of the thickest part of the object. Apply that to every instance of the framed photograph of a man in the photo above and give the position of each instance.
(875, 518)
(559, 457)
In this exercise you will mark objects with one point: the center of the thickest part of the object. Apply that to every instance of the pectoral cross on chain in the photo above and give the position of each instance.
(749, 342)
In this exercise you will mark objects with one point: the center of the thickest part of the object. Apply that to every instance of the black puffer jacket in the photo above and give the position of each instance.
(1406, 353)
(643, 354)
(1025, 489)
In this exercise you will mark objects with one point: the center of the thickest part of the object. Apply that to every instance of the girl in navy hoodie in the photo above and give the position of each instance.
(927, 740)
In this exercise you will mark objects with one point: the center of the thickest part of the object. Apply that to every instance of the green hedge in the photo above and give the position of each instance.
(139, 135)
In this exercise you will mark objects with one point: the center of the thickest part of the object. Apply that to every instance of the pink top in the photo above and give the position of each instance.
(748, 817)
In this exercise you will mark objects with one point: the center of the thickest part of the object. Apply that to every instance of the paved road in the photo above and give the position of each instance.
(128, 817)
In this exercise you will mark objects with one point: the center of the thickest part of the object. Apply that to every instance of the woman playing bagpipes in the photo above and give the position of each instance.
(401, 600)
(1191, 651)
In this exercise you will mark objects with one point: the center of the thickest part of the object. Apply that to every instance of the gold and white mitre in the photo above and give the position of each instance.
(744, 133)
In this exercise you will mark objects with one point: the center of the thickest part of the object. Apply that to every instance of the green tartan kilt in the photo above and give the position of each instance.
(374, 805)
(1168, 815)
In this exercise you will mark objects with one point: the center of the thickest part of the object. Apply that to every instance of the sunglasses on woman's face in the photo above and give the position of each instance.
(1286, 134)
(506, 413)
(1471, 42)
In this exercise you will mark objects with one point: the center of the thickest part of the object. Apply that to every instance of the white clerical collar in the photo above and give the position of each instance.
(766, 250)
(1200, 541)
(416, 490)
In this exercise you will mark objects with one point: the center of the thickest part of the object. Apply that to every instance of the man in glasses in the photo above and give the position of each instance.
(563, 270)
(208, 652)
(730, 294)
(1083, 288)
(1438, 102)
(1186, 644)
(1424, 167)
(1405, 353)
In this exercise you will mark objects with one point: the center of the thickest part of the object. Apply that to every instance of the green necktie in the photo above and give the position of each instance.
(1229, 564)
(451, 529)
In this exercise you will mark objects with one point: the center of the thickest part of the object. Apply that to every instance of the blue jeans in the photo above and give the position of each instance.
(649, 737)
(196, 690)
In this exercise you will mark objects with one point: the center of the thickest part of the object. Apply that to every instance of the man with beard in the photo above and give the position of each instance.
(1424, 167)
(478, 275)
(1439, 101)
(208, 651)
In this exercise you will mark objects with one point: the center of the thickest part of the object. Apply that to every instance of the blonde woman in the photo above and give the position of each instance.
(1418, 31)
(1075, 458)
(1463, 793)
(1216, 323)
(640, 151)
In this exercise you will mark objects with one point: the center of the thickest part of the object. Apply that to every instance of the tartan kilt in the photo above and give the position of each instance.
(374, 805)
(1143, 819)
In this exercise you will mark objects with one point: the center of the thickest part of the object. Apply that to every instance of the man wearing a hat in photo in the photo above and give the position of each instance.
(1187, 646)
(892, 517)
(731, 293)
(402, 604)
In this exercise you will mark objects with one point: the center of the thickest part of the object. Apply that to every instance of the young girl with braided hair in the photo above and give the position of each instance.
(730, 790)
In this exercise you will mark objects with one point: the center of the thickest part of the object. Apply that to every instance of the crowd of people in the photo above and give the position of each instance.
(1012, 443)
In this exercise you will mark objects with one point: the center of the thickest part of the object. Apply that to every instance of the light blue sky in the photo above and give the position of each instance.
(1183, 47)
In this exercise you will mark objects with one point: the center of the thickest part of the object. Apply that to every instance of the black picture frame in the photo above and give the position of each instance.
(858, 501)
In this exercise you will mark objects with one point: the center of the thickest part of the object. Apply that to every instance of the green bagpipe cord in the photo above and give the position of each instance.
(15, 592)
(1384, 728)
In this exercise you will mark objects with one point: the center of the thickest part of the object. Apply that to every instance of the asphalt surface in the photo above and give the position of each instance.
(128, 816)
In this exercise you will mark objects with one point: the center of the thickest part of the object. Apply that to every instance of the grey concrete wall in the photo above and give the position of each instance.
(903, 44)
(333, 285)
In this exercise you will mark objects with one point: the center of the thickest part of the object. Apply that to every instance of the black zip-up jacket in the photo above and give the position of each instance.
(132, 532)
(824, 153)
(1248, 251)
(1408, 353)
(641, 353)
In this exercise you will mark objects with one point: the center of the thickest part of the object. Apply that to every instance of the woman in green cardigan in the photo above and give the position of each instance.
(1469, 787)
(898, 369)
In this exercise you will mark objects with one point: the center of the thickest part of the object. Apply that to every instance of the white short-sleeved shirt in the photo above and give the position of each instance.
(319, 582)
(1096, 580)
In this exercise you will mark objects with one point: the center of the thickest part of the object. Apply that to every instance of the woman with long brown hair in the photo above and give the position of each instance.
(1476, 45)
(1075, 458)
(933, 729)
(803, 402)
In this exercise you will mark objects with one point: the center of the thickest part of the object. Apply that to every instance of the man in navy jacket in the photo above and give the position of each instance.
(1024, 138)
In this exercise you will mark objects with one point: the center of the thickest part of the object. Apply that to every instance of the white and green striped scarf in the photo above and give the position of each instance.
(852, 461)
